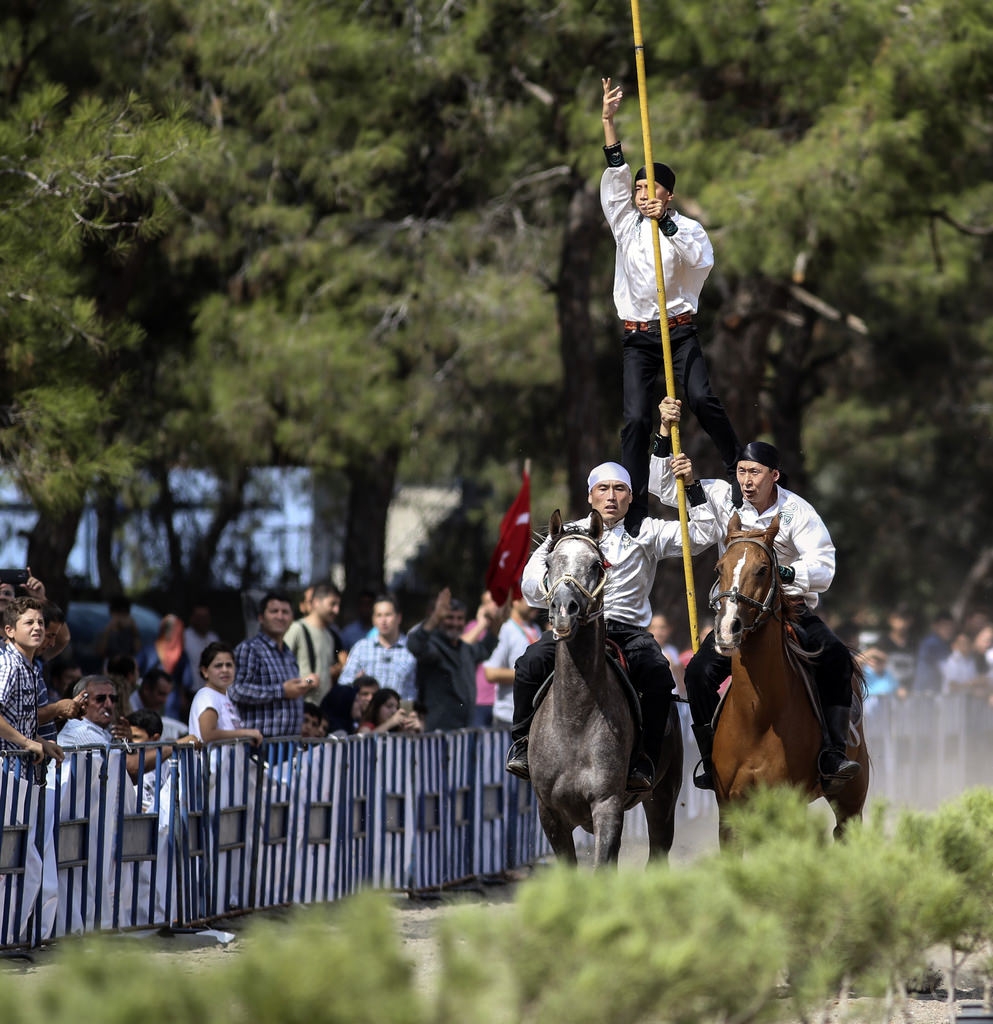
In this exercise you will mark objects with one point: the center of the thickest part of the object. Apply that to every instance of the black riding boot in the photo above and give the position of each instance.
(517, 757)
(832, 763)
(654, 716)
(703, 774)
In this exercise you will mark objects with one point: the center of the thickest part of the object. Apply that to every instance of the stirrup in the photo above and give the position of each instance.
(641, 775)
(834, 781)
(703, 775)
(517, 759)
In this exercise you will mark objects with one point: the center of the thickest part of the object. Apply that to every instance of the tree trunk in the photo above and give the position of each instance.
(581, 411)
(371, 481)
(164, 510)
(49, 543)
(230, 505)
(107, 521)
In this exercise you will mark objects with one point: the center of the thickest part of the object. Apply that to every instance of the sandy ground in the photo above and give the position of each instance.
(417, 919)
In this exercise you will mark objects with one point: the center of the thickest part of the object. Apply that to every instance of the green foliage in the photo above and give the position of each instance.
(720, 939)
(340, 965)
(244, 234)
(623, 947)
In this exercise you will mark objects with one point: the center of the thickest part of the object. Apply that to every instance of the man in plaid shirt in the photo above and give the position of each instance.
(268, 689)
(385, 656)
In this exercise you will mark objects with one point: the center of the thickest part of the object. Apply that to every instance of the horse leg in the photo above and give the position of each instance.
(725, 834)
(559, 834)
(608, 822)
(660, 806)
(660, 814)
(847, 805)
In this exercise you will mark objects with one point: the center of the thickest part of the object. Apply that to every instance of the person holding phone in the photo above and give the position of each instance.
(387, 712)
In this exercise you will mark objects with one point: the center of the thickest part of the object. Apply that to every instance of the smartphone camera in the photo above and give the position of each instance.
(16, 577)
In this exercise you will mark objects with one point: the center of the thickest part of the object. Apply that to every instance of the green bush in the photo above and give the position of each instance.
(720, 939)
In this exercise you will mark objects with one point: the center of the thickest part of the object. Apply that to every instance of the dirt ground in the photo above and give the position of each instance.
(417, 921)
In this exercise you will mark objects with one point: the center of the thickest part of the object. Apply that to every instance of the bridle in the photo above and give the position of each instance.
(766, 606)
(594, 597)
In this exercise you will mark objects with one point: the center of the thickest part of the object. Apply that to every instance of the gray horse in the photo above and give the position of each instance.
(583, 732)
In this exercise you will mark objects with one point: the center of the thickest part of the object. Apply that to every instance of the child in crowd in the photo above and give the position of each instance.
(146, 727)
(315, 725)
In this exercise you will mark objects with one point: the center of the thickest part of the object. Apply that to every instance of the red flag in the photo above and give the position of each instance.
(507, 564)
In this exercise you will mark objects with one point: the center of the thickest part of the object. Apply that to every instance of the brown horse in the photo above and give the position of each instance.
(769, 731)
(583, 732)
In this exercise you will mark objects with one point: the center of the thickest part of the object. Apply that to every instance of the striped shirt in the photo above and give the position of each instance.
(394, 667)
(20, 683)
(262, 666)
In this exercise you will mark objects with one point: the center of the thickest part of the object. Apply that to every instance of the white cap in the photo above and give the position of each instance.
(608, 471)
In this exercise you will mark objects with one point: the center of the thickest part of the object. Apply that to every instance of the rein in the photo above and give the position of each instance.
(594, 597)
(766, 606)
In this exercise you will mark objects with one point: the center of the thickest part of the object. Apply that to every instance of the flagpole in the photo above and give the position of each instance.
(670, 377)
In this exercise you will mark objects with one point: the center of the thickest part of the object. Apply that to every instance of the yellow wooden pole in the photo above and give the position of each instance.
(670, 377)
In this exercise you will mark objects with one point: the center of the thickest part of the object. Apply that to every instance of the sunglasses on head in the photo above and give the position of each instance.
(101, 698)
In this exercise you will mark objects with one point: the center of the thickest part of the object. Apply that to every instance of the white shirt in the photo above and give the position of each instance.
(632, 564)
(803, 542)
(687, 256)
(81, 732)
(513, 640)
(208, 697)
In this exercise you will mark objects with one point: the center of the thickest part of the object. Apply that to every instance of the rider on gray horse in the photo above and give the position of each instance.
(630, 564)
(805, 553)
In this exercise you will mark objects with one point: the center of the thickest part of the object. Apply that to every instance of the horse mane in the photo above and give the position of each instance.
(571, 530)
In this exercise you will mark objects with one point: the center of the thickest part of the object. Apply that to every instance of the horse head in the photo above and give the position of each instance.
(747, 590)
(575, 575)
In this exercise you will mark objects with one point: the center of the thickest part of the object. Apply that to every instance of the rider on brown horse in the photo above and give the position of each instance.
(806, 567)
(630, 563)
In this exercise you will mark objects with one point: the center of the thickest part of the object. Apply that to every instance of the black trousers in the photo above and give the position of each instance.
(647, 667)
(642, 363)
(832, 670)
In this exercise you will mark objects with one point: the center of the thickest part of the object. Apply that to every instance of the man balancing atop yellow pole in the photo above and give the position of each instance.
(651, 273)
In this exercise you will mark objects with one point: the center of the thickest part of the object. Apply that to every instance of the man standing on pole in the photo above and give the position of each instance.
(687, 257)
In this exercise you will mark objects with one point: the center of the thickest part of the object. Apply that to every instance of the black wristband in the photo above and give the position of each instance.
(615, 158)
(696, 494)
(787, 573)
(661, 446)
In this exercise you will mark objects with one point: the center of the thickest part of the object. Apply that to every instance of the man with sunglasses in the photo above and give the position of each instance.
(99, 724)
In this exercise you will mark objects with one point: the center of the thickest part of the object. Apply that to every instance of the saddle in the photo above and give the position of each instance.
(799, 634)
(616, 656)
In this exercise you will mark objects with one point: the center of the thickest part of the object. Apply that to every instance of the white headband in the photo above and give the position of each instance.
(608, 471)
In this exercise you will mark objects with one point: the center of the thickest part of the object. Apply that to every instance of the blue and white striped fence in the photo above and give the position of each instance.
(224, 829)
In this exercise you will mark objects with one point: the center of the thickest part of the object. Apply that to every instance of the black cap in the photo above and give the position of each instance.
(759, 451)
(664, 176)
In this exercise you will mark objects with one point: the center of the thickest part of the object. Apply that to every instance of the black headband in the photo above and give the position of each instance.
(664, 176)
(759, 451)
